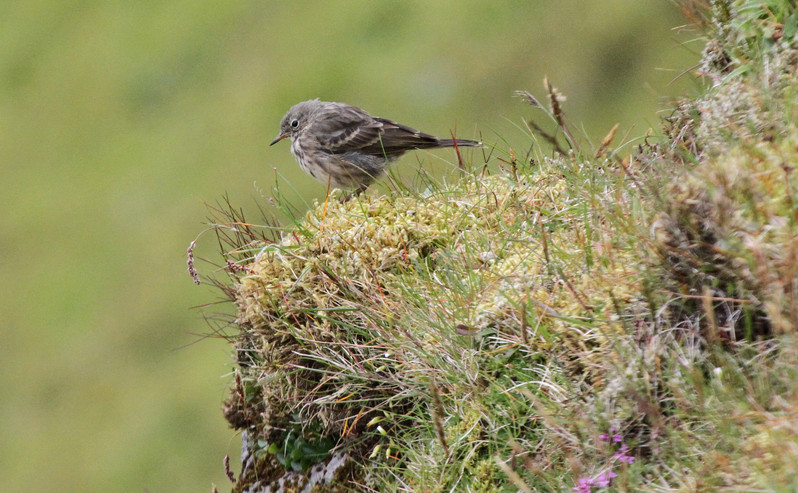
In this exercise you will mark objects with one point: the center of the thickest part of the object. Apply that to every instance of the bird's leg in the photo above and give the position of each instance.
(358, 191)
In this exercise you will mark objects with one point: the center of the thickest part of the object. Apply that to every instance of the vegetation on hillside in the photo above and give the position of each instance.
(588, 318)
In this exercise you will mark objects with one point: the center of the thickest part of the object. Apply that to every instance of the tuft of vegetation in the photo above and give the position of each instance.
(594, 318)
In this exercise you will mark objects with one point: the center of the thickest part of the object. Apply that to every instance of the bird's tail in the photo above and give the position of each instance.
(458, 143)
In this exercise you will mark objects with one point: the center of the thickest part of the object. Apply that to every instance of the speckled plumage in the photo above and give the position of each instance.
(346, 147)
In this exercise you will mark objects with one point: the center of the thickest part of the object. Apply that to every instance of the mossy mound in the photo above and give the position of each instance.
(366, 302)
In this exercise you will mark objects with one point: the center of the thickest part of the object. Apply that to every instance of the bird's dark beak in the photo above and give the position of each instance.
(279, 138)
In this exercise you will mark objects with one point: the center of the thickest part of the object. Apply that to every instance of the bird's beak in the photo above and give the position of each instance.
(279, 138)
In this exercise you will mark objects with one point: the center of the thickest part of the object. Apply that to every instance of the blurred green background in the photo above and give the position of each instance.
(119, 120)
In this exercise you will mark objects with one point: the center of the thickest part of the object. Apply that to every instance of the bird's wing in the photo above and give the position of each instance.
(398, 138)
(341, 128)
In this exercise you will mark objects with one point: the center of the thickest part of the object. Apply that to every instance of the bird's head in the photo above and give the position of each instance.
(296, 119)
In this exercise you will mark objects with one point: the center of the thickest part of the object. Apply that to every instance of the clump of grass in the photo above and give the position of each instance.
(728, 228)
(484, 335)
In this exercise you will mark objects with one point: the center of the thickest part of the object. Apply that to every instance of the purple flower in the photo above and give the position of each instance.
(585, 485)
(606, 436)
(622, 456)
(605, 478)
(616, 437)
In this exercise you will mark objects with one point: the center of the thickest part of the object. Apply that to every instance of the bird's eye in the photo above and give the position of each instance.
(294, 123)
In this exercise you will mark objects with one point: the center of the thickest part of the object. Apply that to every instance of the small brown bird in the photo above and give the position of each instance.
(345, 147)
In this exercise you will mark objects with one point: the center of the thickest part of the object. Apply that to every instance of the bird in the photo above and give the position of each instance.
(345, 147)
